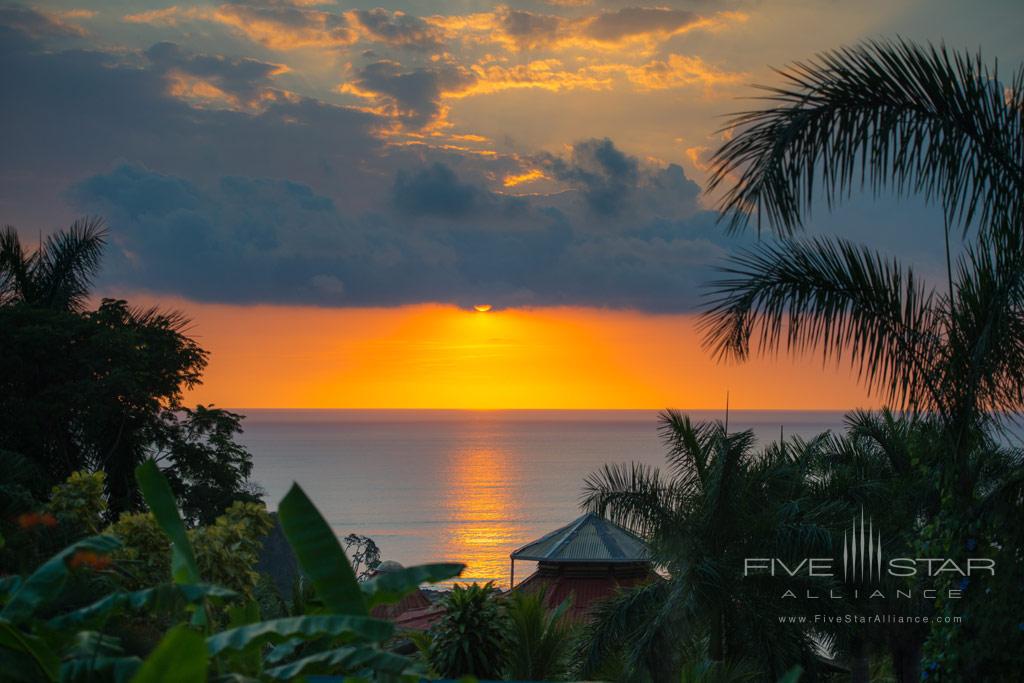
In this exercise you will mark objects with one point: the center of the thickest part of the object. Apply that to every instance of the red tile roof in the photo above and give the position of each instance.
(587, 585)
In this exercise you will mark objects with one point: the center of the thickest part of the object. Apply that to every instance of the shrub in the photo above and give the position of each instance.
(39, 643)
(472, 636)
(539, 639)
(80, 500)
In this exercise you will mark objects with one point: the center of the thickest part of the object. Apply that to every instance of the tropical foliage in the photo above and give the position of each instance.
(540, 638)
(910, 119)
(102, 389)
(719, 502)
(472, 636)
(213, 631)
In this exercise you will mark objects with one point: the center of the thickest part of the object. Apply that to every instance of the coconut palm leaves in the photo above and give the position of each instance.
(913, 119)
(882, 115)
(831, 294)
(718, 503)
(57, 275)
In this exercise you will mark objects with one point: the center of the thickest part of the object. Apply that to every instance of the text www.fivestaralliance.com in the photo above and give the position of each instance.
(867, 619)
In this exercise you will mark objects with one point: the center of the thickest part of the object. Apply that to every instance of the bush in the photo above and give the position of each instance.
(539, 639)
(225, 551)
(472, 636)
(80, 501)
(39, 642)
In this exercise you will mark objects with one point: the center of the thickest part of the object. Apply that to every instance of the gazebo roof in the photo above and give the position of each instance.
(589, 539)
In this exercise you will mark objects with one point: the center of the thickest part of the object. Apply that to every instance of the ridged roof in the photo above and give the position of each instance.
(591, 538)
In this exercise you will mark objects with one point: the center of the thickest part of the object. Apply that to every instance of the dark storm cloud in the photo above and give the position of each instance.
(613, 182)
(631, 21)
(244, 78)
(300, 203)
(415, 94)
(606, 175)
(81, 111)
(436, 191)
(245, 240)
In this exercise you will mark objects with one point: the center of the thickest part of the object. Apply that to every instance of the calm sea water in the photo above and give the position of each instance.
(463, 486)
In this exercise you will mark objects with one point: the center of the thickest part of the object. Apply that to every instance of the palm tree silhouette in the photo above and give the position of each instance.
(718, 502)
(912, 119)
(915, 120)
(59, 274)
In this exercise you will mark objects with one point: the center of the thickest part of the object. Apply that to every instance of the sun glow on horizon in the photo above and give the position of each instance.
(444, 357)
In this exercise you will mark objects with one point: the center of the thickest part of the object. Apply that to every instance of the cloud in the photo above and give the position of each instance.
(298, 201)
(278, 26)
(638, 27)
(81, 111)
(397, 29)
(37, 24)
(613, 183)
(243, 239)
(414, 96)
(612, 27)
(605, 174)
(436, 191)
(215, 79)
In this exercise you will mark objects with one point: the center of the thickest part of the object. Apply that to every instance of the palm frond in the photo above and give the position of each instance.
(67, 262)
(832, 295)
(986, 341)
(688, 443)
(633, 495)
(883, 115)
(14, 278)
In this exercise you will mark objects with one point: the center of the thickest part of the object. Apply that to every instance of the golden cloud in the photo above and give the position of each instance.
(543, 74)
(634, 28)
(525, 177)
(677, 71)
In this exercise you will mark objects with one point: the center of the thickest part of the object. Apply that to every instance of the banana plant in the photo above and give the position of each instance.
(335, 635)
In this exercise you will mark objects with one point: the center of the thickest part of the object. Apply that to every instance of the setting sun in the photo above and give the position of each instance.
(482, 308)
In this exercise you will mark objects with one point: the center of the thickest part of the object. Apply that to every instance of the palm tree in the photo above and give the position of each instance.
(59, 273)
(719, 502)
(891, 116)
(871, 467)
(539, 638)
(912, 119)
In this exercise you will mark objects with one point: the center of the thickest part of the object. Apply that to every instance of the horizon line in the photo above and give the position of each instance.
(485, 410)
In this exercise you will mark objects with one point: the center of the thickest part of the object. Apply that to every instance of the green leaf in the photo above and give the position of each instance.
(46, 582)
(792, 676)
(320, 554)
(28, 651)
(157, 493)
(158, 598)
(85, 669)
(180, 657)
(344, 659)
(390, 587)
(9, 584)
(307, 627)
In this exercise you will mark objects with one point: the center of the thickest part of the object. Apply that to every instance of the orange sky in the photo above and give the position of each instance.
(444, 357)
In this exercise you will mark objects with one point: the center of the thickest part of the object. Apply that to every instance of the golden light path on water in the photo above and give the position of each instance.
(481, 503)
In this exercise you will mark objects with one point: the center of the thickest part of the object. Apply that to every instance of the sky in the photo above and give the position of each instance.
(327, 188)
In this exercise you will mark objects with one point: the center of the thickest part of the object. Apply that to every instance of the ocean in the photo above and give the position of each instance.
(465, 486)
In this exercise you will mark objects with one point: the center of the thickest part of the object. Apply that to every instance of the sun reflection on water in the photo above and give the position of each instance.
(484, 513)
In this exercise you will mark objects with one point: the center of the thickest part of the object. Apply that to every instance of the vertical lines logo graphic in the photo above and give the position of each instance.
(862, 551)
